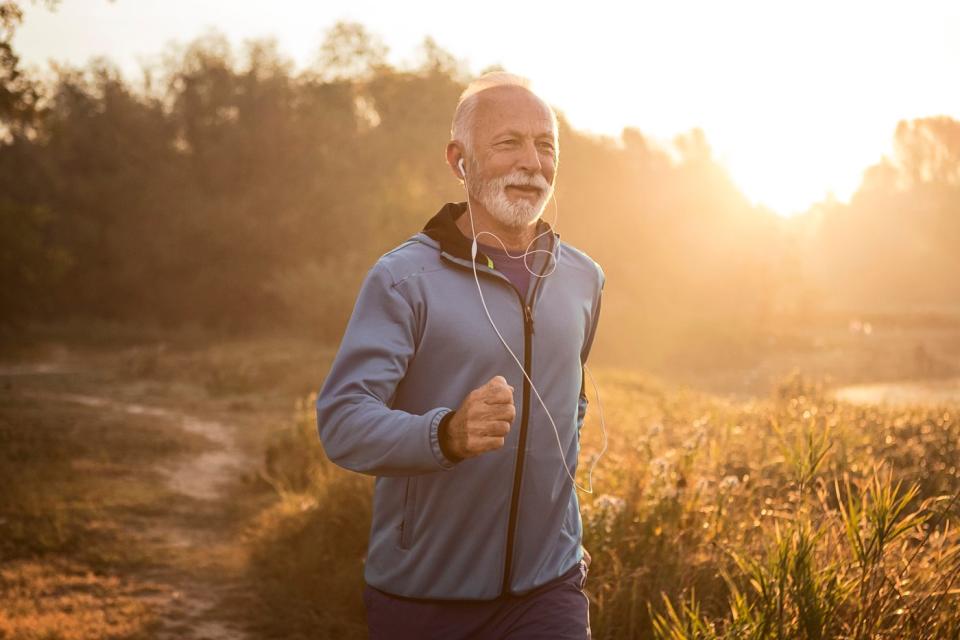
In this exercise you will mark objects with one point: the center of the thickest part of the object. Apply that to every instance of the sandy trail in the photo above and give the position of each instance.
(195, 567)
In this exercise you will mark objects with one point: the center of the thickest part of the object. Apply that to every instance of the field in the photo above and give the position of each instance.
(157, 486)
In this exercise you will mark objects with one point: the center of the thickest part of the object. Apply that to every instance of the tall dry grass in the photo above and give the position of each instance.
(793, 517)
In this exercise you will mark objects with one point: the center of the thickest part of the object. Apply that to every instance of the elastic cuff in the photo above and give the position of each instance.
(442, 435)
(444, 461)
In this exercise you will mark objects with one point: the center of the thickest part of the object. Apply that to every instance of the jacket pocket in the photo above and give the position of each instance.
(409, 513)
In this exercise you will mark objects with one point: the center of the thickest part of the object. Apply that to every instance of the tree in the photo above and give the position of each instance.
(349, 51)
(29, 261)
(928, 150)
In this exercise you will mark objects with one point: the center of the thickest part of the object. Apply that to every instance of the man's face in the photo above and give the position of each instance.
(512, 166)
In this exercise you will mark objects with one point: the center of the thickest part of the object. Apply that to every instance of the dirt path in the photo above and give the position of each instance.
(193, 583)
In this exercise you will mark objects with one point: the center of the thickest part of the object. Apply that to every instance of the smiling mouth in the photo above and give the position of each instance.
(525, 189)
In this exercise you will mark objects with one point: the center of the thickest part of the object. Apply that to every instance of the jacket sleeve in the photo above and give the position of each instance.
(356, 424)
(585, 353)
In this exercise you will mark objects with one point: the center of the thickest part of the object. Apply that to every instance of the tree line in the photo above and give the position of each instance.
(228, 190)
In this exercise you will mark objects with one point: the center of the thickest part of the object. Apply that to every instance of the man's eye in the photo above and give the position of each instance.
(507, 143)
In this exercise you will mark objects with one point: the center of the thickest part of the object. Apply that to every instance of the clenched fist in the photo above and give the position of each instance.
(483, 420)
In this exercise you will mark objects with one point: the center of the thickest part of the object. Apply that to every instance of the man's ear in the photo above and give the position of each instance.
(454, 156)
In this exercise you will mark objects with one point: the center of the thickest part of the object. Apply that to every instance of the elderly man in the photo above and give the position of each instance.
(459, 385)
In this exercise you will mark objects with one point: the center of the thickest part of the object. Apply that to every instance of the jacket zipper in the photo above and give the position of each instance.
(521, 447)
(524, 419)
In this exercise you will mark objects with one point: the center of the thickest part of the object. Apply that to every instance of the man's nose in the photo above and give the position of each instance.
(530, 158)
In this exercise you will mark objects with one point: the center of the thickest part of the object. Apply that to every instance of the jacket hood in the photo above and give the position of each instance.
(442, 228)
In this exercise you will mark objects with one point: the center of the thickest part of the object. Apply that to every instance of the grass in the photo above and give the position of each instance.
(79, 484)
(790, 516)
(75, 481)
(799, 517)
(308, 549)
(63, 600)
(68, 473)
(793, 517)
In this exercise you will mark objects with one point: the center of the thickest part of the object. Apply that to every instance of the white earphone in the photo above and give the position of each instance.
(556, 258)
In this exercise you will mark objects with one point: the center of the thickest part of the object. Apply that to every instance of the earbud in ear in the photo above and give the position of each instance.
(463, 172)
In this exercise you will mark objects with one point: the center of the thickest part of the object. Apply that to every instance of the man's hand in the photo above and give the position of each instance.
(483, 420)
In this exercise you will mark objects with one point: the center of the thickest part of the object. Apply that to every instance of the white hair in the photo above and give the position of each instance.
(462, 127)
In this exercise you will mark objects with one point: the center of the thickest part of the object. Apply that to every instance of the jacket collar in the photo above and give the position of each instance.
(442, 227)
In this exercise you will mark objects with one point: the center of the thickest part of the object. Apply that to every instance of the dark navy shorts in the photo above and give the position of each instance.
(557, 610)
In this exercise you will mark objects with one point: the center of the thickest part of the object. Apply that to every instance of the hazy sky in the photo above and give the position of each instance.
(796, 98)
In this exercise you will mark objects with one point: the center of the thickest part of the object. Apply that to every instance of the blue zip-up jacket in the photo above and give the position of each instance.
(417, 343)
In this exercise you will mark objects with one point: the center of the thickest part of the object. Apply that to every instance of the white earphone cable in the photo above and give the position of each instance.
(527, 251)
(473, 255)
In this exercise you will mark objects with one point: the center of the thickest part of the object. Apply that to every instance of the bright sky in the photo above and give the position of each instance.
(796, 98)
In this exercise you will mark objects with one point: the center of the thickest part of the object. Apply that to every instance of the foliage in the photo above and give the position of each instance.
(797, 517)
(217, 191)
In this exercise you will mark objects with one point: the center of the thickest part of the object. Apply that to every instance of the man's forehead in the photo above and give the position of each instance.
(511, 106)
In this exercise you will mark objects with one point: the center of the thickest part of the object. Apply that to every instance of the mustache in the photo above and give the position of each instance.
(520, 179)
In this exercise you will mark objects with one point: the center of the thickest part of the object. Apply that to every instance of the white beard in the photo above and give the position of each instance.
(492, 194)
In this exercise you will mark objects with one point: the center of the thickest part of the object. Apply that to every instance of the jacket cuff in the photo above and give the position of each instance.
(440, 420)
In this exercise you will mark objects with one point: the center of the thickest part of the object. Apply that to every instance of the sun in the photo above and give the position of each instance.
(791, 160)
